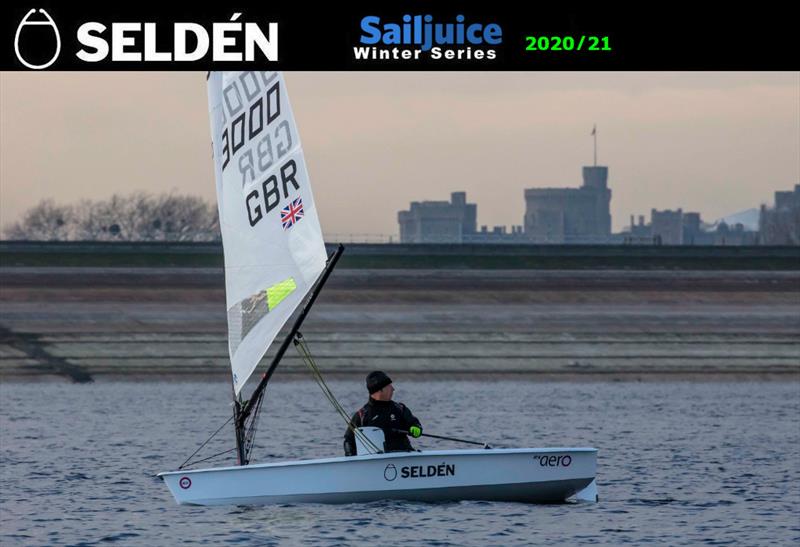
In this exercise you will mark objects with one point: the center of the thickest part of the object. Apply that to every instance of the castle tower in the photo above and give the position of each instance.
(596, 178)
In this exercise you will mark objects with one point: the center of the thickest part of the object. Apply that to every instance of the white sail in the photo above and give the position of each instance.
(273, 243)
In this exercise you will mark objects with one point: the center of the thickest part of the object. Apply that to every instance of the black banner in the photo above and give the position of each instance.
(441, 35)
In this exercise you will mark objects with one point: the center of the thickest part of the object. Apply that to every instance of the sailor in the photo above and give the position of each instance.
(380, 411)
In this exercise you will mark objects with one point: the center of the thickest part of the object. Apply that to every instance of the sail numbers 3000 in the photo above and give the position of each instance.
(257, 134)
(246, 123)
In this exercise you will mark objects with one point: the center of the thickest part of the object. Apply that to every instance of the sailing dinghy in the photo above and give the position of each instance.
(275, 261)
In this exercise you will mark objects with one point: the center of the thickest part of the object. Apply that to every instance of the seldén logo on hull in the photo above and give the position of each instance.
(37, 42)
(416, 37)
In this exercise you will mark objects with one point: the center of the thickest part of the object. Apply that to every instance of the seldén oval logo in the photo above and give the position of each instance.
(37, 41)
(415, 37)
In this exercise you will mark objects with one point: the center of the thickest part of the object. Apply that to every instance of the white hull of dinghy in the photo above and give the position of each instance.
(531, 475)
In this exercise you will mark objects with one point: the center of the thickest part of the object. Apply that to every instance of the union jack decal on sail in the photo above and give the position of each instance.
(292, 213)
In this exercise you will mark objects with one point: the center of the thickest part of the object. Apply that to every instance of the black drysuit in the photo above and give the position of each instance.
(387, 415)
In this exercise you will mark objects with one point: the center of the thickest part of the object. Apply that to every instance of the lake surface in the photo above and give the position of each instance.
(678, 463)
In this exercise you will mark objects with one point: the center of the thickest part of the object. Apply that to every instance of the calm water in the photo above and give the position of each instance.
(679, 463)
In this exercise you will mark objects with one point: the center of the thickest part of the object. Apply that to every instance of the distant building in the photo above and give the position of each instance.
(692, 228)
(570, 215)
(667, 226)
(780, 225)
(735, 235)
(453, 221)
(679, 228)
(439, 221)
(637, 234)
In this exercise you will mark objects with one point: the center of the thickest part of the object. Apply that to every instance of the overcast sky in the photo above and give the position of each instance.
(715, 142)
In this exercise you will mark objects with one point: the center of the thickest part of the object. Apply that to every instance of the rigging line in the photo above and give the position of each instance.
(305, 354)
(251, 427)
(215, 455)
(332, 399)
(206, 442)
(308, 360)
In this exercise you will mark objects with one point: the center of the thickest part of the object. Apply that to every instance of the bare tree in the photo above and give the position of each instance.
(137, 217)
(45, 221)
(184, 218)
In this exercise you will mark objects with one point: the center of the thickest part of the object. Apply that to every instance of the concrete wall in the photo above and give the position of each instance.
(15, 255)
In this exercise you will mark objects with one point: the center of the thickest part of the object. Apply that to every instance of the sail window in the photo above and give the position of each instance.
(245, 315)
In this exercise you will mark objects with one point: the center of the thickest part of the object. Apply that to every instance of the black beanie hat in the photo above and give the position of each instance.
(376, 381)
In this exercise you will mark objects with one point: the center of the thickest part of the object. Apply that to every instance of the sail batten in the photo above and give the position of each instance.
(271, 235)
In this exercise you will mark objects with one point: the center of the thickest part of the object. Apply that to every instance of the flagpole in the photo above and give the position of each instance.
(594, 134)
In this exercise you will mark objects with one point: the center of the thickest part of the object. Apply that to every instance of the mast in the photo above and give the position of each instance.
(242, 411)
(237, 404)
